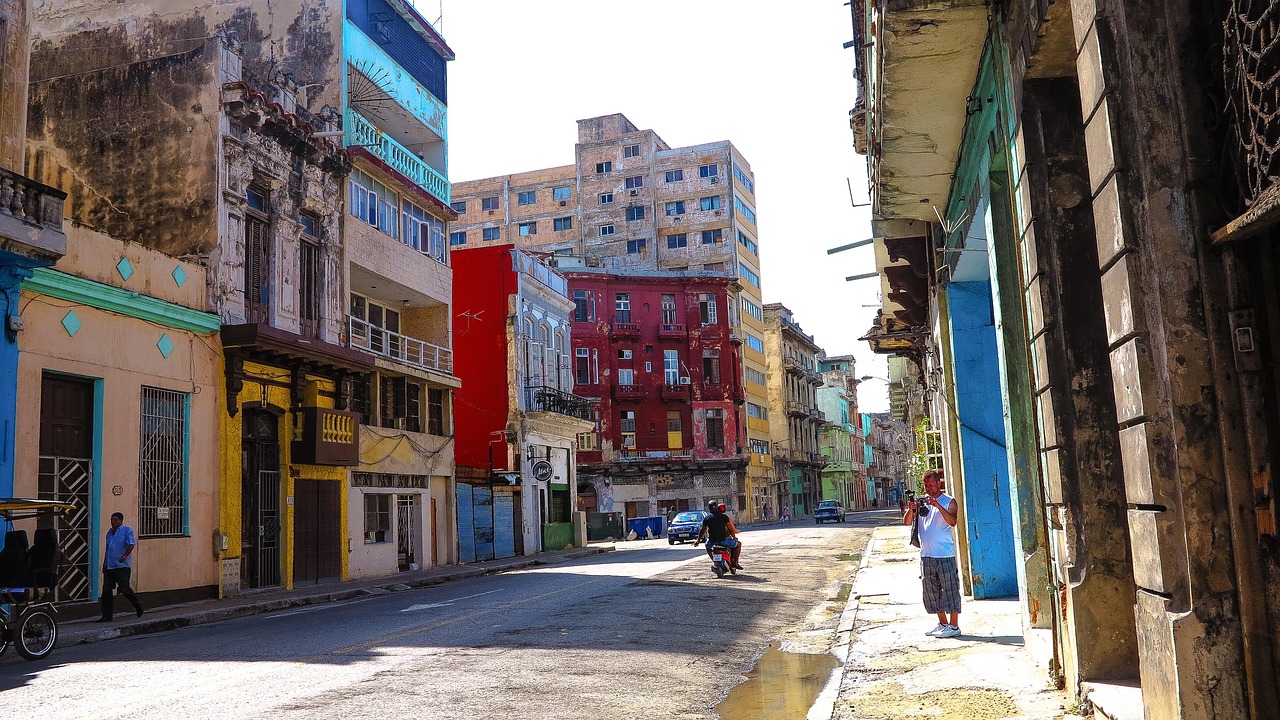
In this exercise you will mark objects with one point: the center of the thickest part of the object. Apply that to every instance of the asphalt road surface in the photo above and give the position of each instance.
(645, 632)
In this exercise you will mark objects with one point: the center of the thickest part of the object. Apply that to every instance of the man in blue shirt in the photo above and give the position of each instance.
(117, 566)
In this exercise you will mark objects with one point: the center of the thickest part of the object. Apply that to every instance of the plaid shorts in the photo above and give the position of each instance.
(941, 584)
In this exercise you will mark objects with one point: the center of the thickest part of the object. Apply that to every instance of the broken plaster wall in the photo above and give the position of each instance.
(125, 100)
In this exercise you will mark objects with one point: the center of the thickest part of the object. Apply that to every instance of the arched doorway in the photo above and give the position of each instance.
(587, 499)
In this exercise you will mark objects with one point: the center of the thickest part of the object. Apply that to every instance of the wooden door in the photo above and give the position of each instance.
(66, 475)
(317, 544)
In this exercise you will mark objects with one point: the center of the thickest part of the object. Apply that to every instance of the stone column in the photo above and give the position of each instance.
(1137, 125)
(1083, 483)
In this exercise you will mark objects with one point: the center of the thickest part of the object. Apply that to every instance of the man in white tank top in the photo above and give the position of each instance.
(936, 515)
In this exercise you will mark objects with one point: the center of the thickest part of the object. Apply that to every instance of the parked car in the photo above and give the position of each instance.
(685, 526)
(828, 510)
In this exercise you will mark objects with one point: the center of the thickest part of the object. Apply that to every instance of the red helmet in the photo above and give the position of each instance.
(721, 507)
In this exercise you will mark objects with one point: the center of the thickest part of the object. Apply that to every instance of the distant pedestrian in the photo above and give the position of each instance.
(117, 566)
(935, 517)
(786, 515)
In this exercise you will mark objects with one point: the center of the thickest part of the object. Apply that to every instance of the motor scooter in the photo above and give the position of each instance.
(721, 560)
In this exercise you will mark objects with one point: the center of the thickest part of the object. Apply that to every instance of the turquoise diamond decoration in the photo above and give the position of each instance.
(125, 268)
(179, 276)
(165, 345)
(71, 323)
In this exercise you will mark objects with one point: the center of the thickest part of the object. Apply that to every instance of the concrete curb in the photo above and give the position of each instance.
(848, 618)
(844, 630)
(201, 614)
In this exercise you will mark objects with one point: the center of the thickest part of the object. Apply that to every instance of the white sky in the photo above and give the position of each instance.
(771, 77)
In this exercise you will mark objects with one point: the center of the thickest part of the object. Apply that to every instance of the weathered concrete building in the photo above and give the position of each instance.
(215, 133)
(31, 234)
(630, 202)
(793, 414)
(1105, 180)
(102, 425)
(517, 417)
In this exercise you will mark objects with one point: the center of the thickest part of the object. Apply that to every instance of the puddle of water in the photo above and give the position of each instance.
(782, 686)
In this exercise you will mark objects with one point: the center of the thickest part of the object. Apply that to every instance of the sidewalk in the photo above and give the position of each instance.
(170, 617)
(894, 671)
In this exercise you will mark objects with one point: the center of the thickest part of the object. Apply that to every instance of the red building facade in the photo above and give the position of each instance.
(657, 353)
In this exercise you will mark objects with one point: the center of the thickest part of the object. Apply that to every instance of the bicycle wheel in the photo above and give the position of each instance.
(36, 634)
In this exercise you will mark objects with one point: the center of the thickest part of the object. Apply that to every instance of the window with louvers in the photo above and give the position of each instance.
(256, 268)
(309, 270)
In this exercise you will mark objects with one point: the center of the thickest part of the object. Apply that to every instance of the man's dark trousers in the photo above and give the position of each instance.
(111, 579)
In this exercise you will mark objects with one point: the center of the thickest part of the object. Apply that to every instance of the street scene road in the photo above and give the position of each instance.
(643, 632)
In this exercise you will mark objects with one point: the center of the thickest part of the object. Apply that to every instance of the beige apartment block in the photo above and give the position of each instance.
(795, 419)
(632, 203)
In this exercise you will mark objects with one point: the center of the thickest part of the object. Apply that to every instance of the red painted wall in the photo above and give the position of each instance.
(483, 282)
(647, 346)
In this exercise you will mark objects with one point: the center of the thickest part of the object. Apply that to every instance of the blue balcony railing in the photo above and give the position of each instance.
(363, 133)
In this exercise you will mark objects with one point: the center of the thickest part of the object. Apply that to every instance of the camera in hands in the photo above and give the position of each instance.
(922, 510)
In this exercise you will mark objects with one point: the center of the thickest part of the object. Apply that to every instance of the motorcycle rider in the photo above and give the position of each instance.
(718, 529)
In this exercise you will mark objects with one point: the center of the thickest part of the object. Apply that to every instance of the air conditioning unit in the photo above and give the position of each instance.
(684, 380)
(717, 213)
(715, 179)
(634, 193)
(490, 212)
(676, 219)
(562, 203)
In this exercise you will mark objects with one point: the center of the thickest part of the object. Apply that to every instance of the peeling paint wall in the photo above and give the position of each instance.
(124, 106)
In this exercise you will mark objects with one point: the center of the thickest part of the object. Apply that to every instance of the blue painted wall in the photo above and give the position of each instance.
(980, 407)
(13, 270)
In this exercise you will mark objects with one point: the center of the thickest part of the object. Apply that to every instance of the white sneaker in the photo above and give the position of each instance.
(934, 632)
(947, 631)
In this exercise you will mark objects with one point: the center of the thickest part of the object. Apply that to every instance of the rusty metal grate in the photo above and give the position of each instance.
(1251, 57)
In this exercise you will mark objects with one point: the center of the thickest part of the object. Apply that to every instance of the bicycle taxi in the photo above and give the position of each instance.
(29, 577)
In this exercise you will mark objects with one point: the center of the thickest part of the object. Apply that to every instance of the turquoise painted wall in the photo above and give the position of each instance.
(980, 408)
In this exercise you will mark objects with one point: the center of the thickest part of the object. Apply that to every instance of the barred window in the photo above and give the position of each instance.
(162, 463)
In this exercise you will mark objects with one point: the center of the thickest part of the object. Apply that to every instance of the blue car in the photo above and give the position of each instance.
(685, 526)
(828, 511)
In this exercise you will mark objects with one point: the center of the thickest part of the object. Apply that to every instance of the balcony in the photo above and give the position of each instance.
(675, 392)
(362, 133)
(791, 365)
(625, 329)
(813, 376)
(551, 400)
(674, 331)
(642, 455)
(401, 348)
(628, 392)
(31, 217)
(326, 437)
(796, 409)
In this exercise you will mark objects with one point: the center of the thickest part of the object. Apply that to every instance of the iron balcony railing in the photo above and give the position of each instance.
(402, 348)
(549, 399)
(362, 133)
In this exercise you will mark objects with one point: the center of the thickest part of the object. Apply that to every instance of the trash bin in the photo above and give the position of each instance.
(644, 526)
(601, 526)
